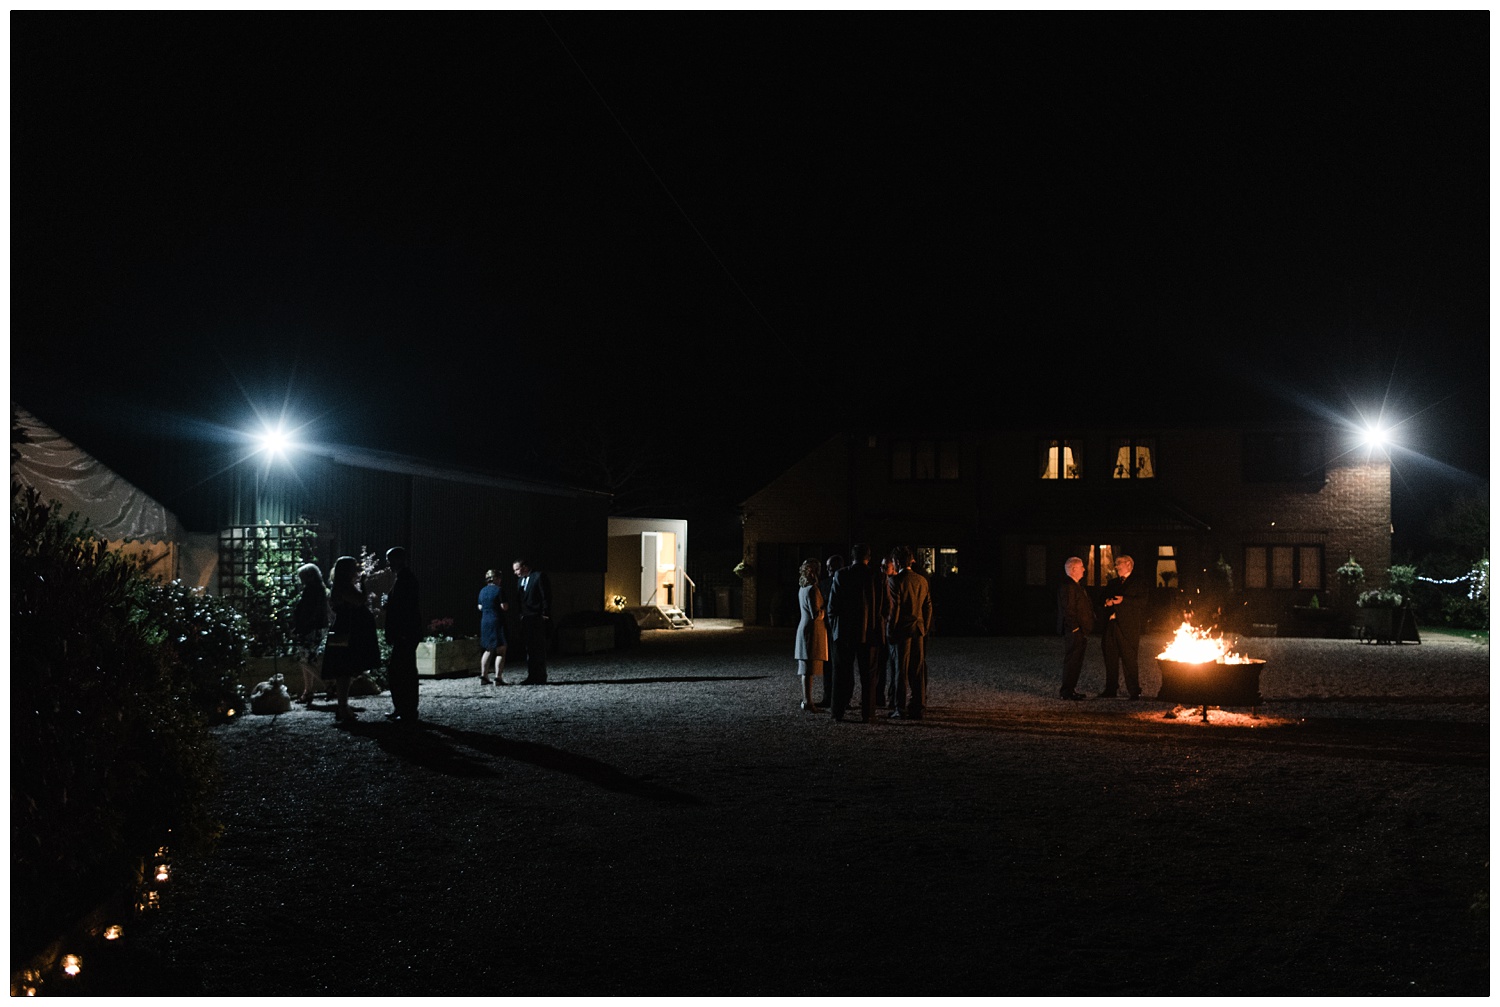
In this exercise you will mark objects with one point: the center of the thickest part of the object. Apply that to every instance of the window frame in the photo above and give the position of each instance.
(943, 459)
(1132, 444)
(1045, 447)
(1268, 568)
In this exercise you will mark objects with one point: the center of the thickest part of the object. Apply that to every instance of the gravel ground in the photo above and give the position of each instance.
(664, 820)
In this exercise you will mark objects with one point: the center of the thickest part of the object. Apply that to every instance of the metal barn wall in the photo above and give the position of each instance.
(461, 529)
(453, 528)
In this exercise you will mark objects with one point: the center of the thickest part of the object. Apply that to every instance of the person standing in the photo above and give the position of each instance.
(352, 647)
(854, 613)
(536, 606)
(811, 648)
(492, 609)
(1075, 621)
(1126, 608)
(909, 603)
(403, 631)
(310, 626)
(831, 566)
(885, 676)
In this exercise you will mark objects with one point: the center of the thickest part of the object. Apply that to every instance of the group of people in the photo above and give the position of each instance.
(334, 632)
(534, 604)
(334, 637)
(871, 617)
(1125, 605)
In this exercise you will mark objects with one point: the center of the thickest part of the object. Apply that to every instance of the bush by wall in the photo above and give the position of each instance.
(111, 679)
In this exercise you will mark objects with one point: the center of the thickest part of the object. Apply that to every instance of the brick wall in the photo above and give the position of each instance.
(842, 492)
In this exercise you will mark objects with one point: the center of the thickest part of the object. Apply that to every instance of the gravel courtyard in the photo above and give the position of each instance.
(664, 820)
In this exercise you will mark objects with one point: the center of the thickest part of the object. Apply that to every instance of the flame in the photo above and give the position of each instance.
(1199, 646)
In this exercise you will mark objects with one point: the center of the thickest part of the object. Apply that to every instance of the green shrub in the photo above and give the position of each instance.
(110, 759)
(209, 640)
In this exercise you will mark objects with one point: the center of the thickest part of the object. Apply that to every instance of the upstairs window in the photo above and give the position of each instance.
(1294, 457)
(1133, 457)
(923, 459)
(1062, 458)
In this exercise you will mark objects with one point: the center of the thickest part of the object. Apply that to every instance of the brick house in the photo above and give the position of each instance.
(1249, 523)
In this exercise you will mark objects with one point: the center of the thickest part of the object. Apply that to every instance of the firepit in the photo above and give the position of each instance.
(1197, 669)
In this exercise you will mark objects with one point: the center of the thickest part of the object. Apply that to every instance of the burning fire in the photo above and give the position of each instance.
(1199, 646)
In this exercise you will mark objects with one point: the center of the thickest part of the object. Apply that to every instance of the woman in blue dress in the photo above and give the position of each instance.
(492, 609)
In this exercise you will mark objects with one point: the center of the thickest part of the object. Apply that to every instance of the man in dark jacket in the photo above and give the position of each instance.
(1075, 621)
(403, 631)
(1126, 614)
(535, 605)
(854, 613)
(909, 611)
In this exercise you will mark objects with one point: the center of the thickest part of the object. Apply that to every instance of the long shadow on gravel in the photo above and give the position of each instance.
(420, 748)
(591, 770)
(663, 678)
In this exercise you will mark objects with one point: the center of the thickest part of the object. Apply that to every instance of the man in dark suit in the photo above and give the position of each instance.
(854, 613)
(1126, 608)
(1075, 621)
(535, 604)
(909, 611)
(403, 631)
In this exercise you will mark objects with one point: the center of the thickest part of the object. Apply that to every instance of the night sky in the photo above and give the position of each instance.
(482, 238)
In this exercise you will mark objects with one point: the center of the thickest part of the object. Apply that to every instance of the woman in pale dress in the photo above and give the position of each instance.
(811, 650)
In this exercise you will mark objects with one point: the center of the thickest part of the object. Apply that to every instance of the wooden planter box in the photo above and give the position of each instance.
(1386, 625)
(447, 658)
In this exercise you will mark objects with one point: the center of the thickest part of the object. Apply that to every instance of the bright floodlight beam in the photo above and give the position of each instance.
(275, 443)
(1375, 436)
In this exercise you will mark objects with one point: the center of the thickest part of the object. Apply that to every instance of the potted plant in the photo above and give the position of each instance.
(1378, 613)
(441, 655)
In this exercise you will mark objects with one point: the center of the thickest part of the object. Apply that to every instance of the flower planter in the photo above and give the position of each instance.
(1377, 625)
(447, 658)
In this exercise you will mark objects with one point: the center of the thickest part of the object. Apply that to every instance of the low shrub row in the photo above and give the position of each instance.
(114, 681)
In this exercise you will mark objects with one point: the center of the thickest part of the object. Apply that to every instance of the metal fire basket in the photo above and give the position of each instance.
(1211, 683)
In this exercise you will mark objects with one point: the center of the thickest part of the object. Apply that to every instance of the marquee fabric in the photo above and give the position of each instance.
(60, 470)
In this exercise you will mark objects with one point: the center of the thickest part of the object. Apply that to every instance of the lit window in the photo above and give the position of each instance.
(1134, 457)
(935, 561)
(1166, 566)
(1062, 458)
(1100, 565)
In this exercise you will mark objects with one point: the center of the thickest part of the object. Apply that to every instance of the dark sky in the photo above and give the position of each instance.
(472, 236)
